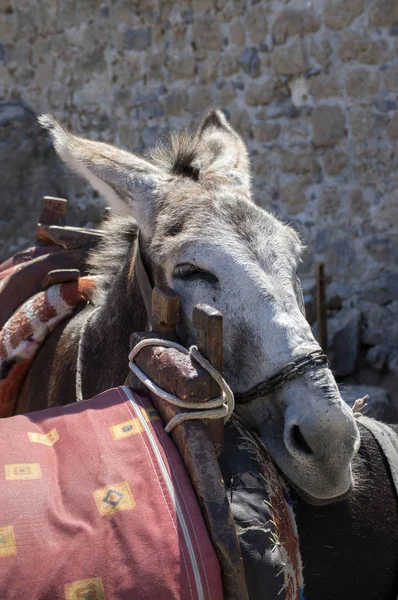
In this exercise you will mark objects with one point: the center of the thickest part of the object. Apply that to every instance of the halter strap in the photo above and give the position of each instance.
(289, 372)
(143, 281)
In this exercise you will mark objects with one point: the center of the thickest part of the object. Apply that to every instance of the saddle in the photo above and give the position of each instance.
(39, 288)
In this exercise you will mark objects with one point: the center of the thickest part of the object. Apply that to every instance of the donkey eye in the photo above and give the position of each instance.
(188, 271)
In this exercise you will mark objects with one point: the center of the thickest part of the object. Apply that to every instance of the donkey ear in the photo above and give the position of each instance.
(128, 183)
(222, 149)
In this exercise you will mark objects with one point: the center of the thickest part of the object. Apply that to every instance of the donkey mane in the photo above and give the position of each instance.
(177, 155)
(109, 257)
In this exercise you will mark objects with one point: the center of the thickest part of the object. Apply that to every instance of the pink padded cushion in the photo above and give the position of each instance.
(95, 503)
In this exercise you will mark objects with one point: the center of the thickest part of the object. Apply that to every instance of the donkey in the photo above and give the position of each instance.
(188, 207)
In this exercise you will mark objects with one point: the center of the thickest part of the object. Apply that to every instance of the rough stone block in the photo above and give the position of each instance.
(377, 357)
(250, 61)
(321, 51)
(15, 111)
(383, 13)
(266, 132)
(200, 98)
(291, 22)
(384, 105)
(355, 46)
(150, 136)
(256, 23)
(328, 123)
(338, 14)
(361, 122)
(155, 65)
(341, 255)
(392, 127)
(361, 82)
(240, 120)
(329, 202)
(148, 105)
(230, 63)
(237, 33)
(383, 248)
(282, 109)
(292, 193)
(203, 5)
(300, 162)
(379, 321)
(206, 33)
(209, 68)
(385, 214)
(335, 162)
(263, 165)
(385, 289)
(358, 204)
(374, 162)
(175, 101)
(290, 59)
(344, 341)
(390, 77)
(262, 93)
(225, 94)
(182, 67)
(325, 85)
(138, 39)
(91, 61)
(393, 362)
(128, 136)
(322, 239)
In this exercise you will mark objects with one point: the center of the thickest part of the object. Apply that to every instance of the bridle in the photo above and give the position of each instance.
(298, 367)
(294, 369)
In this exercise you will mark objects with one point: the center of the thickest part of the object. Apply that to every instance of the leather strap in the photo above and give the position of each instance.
(143, 281)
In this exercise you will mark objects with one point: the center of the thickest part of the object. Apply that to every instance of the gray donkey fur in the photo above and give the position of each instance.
(202, 235)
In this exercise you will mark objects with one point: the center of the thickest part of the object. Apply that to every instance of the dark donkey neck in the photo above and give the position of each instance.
(105, 346)
(107, 336)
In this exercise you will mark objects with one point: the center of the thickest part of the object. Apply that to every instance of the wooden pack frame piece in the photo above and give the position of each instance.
(198, 443)
(50, 232)
(60, 255)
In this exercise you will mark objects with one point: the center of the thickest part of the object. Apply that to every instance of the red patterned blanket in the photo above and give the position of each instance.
(96, 504)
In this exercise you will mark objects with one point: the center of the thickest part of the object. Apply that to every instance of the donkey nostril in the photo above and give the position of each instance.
(299, 440)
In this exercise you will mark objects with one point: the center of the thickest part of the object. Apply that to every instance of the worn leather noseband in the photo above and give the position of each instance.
(294, 369)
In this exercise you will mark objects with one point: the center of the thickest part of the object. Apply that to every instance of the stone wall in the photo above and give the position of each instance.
(311, 86)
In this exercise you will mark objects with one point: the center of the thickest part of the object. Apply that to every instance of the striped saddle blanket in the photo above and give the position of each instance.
(96, 505)
(31, 315)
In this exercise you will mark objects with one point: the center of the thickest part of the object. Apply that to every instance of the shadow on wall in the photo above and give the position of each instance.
(29, 170)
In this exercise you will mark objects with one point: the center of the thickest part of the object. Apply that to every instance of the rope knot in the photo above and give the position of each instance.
(216, 408)
(358, 405)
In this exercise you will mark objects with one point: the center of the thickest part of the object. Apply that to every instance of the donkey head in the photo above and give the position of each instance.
(203, 236)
